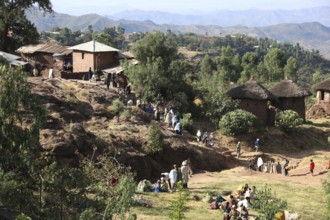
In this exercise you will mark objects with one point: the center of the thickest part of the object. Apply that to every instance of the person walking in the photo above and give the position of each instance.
(260, 162)
(199, 135)
(286, 167)
(107, 81)
(185, 174)
(311, 167)
(173, 175)
(257, 144)
(238, 149)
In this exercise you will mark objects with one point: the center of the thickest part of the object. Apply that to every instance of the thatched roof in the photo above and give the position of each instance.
(324, 85)
(251, 90)
(288, 89)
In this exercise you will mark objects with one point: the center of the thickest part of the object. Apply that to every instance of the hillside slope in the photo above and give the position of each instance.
(79, 122)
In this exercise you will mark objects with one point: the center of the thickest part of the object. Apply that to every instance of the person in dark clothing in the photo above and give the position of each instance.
(285, 167)
(90, 73)
(114, 81)
(107, 80)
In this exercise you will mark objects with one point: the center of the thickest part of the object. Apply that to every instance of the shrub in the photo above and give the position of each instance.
(267, 204)
(141, 115)
(116, 107)
(237, 122)
(125, 115)
(288, 121)
(186, 122)
(155, 142)
(178, 206)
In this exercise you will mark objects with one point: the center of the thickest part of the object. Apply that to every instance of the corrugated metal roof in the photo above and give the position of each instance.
(93, 46)
(9, 57)
(44, 48)
(115, 69)
(18, 63)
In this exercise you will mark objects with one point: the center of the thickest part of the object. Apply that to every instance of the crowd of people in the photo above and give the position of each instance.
(237, 206)
(168, 181)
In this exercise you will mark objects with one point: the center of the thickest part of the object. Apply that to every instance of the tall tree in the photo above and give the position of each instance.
(160, 73)
(112, 36)
(14, 24)
(275, 61)
(291, 68)
(207, 65)
(250, 63)
(229, 64)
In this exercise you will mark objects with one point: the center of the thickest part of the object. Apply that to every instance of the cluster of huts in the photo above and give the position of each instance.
(75, 62)
(284, 95)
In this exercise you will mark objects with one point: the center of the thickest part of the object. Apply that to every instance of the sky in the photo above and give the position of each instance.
(108, 7)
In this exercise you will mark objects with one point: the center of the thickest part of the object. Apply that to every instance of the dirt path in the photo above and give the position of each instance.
(300, 175)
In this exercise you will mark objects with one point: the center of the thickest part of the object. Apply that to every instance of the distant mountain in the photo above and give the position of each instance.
(250, 18)
(311, 35)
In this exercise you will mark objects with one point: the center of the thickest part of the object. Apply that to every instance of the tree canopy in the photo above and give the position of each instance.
(15, 29)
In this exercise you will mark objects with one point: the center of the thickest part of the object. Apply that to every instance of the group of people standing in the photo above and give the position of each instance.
(169, 181)
(206, 138)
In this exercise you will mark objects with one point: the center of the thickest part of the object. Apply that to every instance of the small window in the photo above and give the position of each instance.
(82, 56)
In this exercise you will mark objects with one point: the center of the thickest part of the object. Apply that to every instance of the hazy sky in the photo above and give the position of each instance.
(79, 7)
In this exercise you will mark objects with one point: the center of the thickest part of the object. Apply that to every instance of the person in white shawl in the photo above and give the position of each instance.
(185, 174)
(260, 162)
(173, 175)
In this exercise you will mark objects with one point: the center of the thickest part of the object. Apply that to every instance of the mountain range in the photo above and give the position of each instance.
(250, 18)
(310, 35)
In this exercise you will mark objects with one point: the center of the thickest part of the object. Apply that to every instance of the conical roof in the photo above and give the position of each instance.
(251, 90)
(288, 89)
(324, 85)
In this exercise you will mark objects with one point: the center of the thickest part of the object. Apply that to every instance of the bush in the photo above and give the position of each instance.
(186, 122)
(141, 115)
(116, 107)
(155, 142)
(267, 204)
(237, 122)
(177, 207)
(288, 121)
(125, 115)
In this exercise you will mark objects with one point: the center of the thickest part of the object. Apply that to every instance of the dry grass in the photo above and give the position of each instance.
(305, 200)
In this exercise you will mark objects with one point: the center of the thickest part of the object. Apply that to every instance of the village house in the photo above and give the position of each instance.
(290, 97)
(42, 56)
(255, 98)
(94, 55)
(323, 95)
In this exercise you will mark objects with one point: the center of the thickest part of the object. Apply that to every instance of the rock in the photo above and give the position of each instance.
(77, 128)
(291, 215)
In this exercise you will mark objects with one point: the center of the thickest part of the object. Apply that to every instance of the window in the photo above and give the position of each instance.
(82, 56)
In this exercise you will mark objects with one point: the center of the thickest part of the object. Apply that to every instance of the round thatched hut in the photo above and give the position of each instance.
(323, 92)
(254, 98)
(290, 96)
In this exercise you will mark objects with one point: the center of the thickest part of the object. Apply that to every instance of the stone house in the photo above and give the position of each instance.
(94, 55)
(322, 92)
(323, 95)
(255, 98)
(290, 97)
